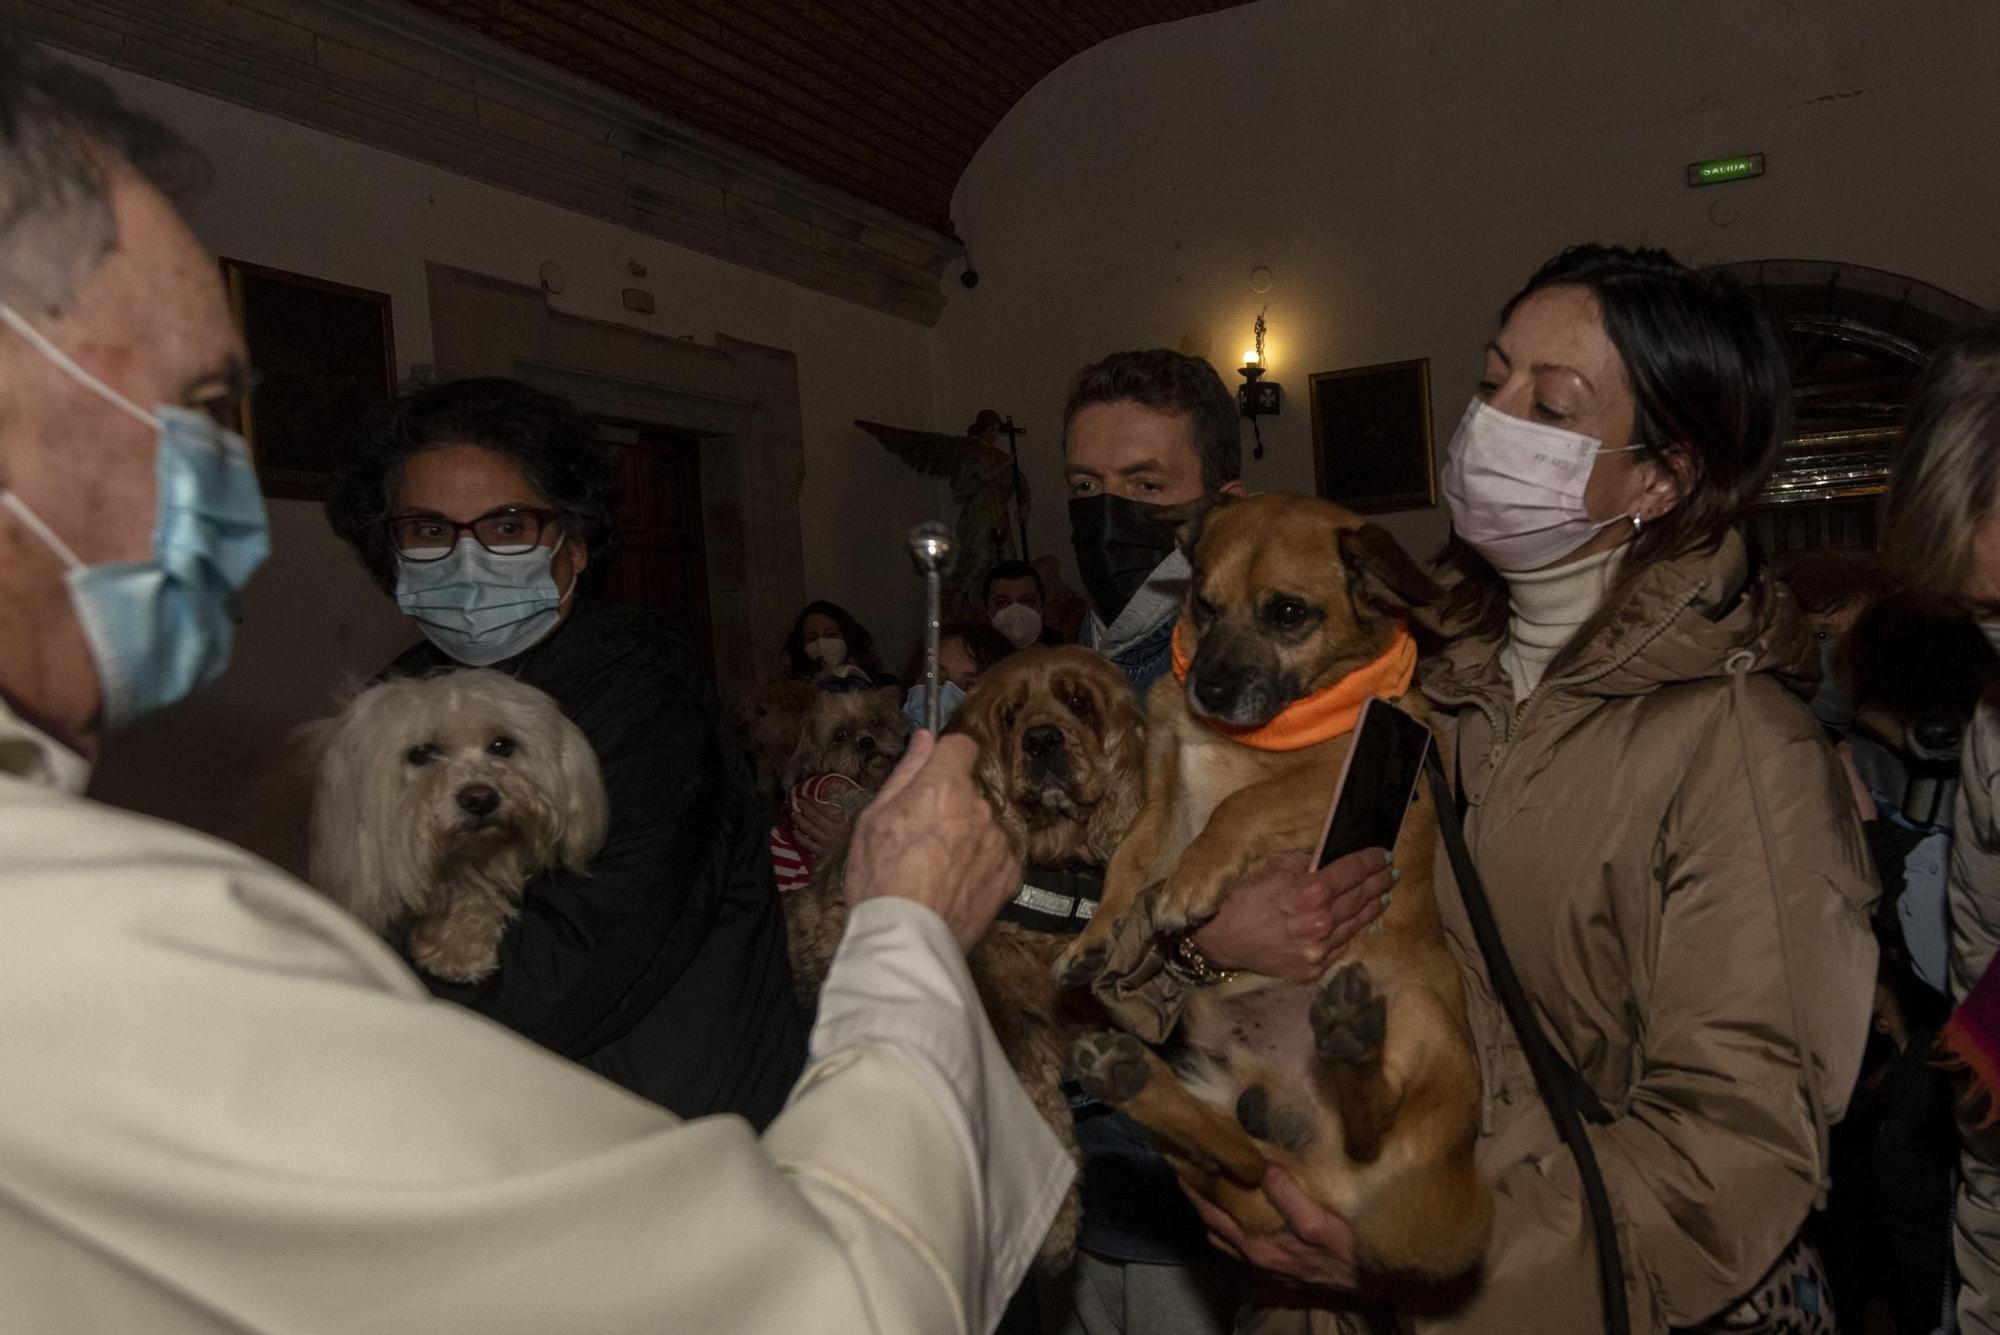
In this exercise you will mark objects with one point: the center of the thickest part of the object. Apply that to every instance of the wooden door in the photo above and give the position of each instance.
(660, 561)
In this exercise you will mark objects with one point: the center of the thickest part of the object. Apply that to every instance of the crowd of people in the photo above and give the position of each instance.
(1737, 819)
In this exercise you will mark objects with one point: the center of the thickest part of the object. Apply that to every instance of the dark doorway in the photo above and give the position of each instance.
(660, 560)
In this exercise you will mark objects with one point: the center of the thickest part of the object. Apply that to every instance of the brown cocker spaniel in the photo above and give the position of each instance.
(1062, 753)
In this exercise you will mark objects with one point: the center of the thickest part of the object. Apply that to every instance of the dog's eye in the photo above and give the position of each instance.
(1287, 613)
(421, 755)
(1079, 705)
(839, 736)
(1008, 716)
(500, 746)
(1204, 610)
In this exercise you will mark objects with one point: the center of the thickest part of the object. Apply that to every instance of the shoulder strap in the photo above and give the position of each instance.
(1561, 1085)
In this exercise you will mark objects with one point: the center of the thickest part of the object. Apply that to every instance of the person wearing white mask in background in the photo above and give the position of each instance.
(1667, 840)
(486, 507)
(230, 1107)
(1012, 599)
(825, 638)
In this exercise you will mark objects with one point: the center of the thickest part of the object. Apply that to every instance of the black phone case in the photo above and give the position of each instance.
(1378, 781)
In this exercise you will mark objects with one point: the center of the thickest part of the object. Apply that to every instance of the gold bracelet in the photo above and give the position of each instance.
(1195, 965)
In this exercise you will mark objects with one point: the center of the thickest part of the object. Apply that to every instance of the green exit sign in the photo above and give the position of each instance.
(1717, 170)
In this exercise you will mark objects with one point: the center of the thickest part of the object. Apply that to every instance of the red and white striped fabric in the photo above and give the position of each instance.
(791, 864)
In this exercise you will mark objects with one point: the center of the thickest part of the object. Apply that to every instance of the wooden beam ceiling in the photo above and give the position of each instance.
(885, 99)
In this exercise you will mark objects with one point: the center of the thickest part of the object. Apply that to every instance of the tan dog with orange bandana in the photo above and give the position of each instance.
(1363, 1084)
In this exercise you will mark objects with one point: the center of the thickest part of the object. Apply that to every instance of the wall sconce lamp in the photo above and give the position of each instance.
(1258, 397)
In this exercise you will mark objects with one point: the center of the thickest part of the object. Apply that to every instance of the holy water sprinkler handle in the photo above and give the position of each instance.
(931, 548)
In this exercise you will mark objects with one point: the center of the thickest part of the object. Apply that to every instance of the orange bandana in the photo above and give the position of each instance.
(1326, 713)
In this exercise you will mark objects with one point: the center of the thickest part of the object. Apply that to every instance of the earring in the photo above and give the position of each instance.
(1636, 522)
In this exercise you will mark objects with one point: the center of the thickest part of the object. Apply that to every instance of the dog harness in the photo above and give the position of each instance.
(1056, 899)
(1328, 712)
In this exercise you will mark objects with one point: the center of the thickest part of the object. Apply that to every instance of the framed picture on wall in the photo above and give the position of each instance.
(323, 354)
(1371, 431)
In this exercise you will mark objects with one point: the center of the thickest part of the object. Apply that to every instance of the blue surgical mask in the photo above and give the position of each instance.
(478, 606)
(950, 697)
(159, 629)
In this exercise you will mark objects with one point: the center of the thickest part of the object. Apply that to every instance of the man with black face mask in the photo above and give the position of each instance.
(1142, 431)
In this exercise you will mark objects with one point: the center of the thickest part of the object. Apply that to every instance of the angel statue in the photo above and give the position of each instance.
(986, 485)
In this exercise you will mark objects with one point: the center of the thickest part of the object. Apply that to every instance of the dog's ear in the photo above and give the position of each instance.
(1125, 766)
(1381, 574)
(586, 807)
(798, 763)
(1190, 517)
(353, 852)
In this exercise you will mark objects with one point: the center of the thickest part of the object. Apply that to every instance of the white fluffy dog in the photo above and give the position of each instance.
(437, 798)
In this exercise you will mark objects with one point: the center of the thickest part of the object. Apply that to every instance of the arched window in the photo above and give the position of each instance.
(1856, 339)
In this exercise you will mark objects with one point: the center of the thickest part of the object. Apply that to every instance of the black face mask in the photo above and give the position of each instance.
(1119, 543)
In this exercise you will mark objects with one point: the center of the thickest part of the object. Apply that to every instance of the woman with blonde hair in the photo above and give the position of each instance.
(1941, 534)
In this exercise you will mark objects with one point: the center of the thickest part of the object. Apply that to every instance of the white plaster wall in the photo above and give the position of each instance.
(303, 200)
(1402, 168)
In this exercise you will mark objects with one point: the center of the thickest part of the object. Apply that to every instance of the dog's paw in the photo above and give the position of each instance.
(1349, 1018)
(444, 952)
(1180, 906)
(1079, 965)
(1112, 1068)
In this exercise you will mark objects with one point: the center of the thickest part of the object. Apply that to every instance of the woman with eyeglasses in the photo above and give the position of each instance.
(485, 507)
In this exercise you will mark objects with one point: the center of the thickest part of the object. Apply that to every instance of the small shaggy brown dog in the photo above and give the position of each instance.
(857, 734)
(847, 745)
(437, 798)
(1061, 761)
(1362, 1085)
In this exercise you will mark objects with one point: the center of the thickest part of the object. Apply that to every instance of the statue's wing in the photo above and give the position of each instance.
(929, 452)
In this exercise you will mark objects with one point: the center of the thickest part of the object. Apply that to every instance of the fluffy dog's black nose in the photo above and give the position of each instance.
(866, 741)
(478, 799)
(1044, 740)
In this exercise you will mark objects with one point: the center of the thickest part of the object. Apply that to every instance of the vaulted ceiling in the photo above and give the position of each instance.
(885, 99)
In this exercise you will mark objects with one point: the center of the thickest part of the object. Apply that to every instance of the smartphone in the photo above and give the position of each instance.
(1378, 781)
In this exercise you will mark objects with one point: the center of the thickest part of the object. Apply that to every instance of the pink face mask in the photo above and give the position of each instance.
(1515, 488)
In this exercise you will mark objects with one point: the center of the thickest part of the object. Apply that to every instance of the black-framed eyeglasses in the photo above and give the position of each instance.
(509, 531)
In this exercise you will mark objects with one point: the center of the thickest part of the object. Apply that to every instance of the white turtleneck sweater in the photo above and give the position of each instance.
(1545, 607)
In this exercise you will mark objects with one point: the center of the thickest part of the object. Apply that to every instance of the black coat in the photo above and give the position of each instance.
(664, 967)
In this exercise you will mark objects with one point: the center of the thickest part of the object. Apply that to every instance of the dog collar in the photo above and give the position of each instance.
(1328, 712)
(1055, 899)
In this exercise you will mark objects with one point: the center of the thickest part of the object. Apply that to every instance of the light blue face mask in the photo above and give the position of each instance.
(159, 629)
(950, 697)
(480, 607)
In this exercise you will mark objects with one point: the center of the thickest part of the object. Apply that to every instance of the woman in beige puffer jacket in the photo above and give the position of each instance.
(1673, 856)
